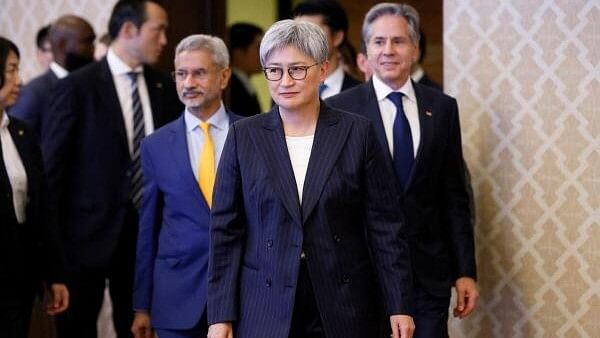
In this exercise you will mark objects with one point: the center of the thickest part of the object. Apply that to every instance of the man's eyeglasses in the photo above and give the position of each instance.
(295, 72)
(197, 74)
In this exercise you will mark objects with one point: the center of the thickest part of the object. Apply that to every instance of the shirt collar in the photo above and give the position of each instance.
(5, 121)
(418, 73)
(219, 119)
(382, 90)
(118, 66)
(336, 78)
(58, 70)
(244, 79)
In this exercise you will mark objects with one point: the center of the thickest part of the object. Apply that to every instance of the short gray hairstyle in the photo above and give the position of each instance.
(388, 8)
(305, 36)
(212, 44)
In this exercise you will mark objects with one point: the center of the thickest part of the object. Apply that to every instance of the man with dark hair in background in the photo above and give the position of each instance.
(72, 41)
(418, 73)
(43, 52)
(92, 155)
(244, 41)
(331, 17)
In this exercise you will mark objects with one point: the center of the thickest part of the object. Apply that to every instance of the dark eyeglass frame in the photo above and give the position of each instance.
(290, 70)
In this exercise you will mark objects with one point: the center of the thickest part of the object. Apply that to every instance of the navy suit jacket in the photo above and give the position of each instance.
(29, 252)
(240, 100)
(435, 203)
(87, 158)
(349, 226)
(34, 101)
(172, 249)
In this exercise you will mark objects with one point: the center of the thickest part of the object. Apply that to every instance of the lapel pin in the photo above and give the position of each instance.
(159, 85)
(428, 113)
(21, 132)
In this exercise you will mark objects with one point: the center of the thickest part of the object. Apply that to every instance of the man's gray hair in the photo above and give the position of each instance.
(211, 44)
(307, 37)
(387, 8)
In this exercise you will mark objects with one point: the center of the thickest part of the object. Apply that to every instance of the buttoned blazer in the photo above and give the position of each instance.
(172, 248)
(29, 252)
(348, 225)
(435, 200)
(87, 158)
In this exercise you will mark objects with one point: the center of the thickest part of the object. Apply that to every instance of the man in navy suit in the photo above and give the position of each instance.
(72, 41)
(170, 287)
(331, 17)
(419, 126)
(91, 150)
(306, 233)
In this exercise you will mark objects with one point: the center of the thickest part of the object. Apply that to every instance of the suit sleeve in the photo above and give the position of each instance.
(227, 235)
(149, 229)
(385, 230)
(57, 145)
(457, 207)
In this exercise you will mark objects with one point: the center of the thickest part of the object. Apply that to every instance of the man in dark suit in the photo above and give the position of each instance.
(305, 237)
(420, 128)
(418, 74)
(244, 40)
(331, 17)
(170, 288)
(91, 150)
(72, 42)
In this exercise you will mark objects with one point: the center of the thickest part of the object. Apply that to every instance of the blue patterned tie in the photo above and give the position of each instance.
(322, 87)
(138, 135)
(403, 146)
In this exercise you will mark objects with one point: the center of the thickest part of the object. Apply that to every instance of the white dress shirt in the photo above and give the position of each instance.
(334, 83)
(119, 70)
(388, 111)
(299, 148)
(15, 170)
(58, 70)
(219, 126)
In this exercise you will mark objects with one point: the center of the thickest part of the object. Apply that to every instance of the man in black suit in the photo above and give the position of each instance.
(91, 150)
(331, 17)
(244, 40)
(72, 42)
(420, 128)
(418, 74)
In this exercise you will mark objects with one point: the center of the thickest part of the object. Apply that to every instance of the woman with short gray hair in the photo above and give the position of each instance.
(301, 203)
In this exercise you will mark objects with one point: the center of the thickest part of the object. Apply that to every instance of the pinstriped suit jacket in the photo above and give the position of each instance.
(348, 225)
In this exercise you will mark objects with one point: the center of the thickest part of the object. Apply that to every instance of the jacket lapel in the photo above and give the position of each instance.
(273, 148)
(179, 149)
(110, 101)
(373, 113)
(330, 136)
(426, 124)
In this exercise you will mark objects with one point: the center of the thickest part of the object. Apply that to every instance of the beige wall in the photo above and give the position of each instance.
(21, 19)
(527, 78)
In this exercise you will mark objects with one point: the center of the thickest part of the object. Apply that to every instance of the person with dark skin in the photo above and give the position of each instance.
(29, 248)
(72, 41)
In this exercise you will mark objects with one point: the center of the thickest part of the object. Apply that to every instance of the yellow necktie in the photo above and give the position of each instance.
(206, 167)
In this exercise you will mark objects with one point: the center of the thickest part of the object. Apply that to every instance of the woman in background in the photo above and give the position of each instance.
(28, 247)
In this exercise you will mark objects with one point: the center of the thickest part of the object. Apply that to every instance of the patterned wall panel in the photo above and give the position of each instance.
(21, 19)
(527, 78)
